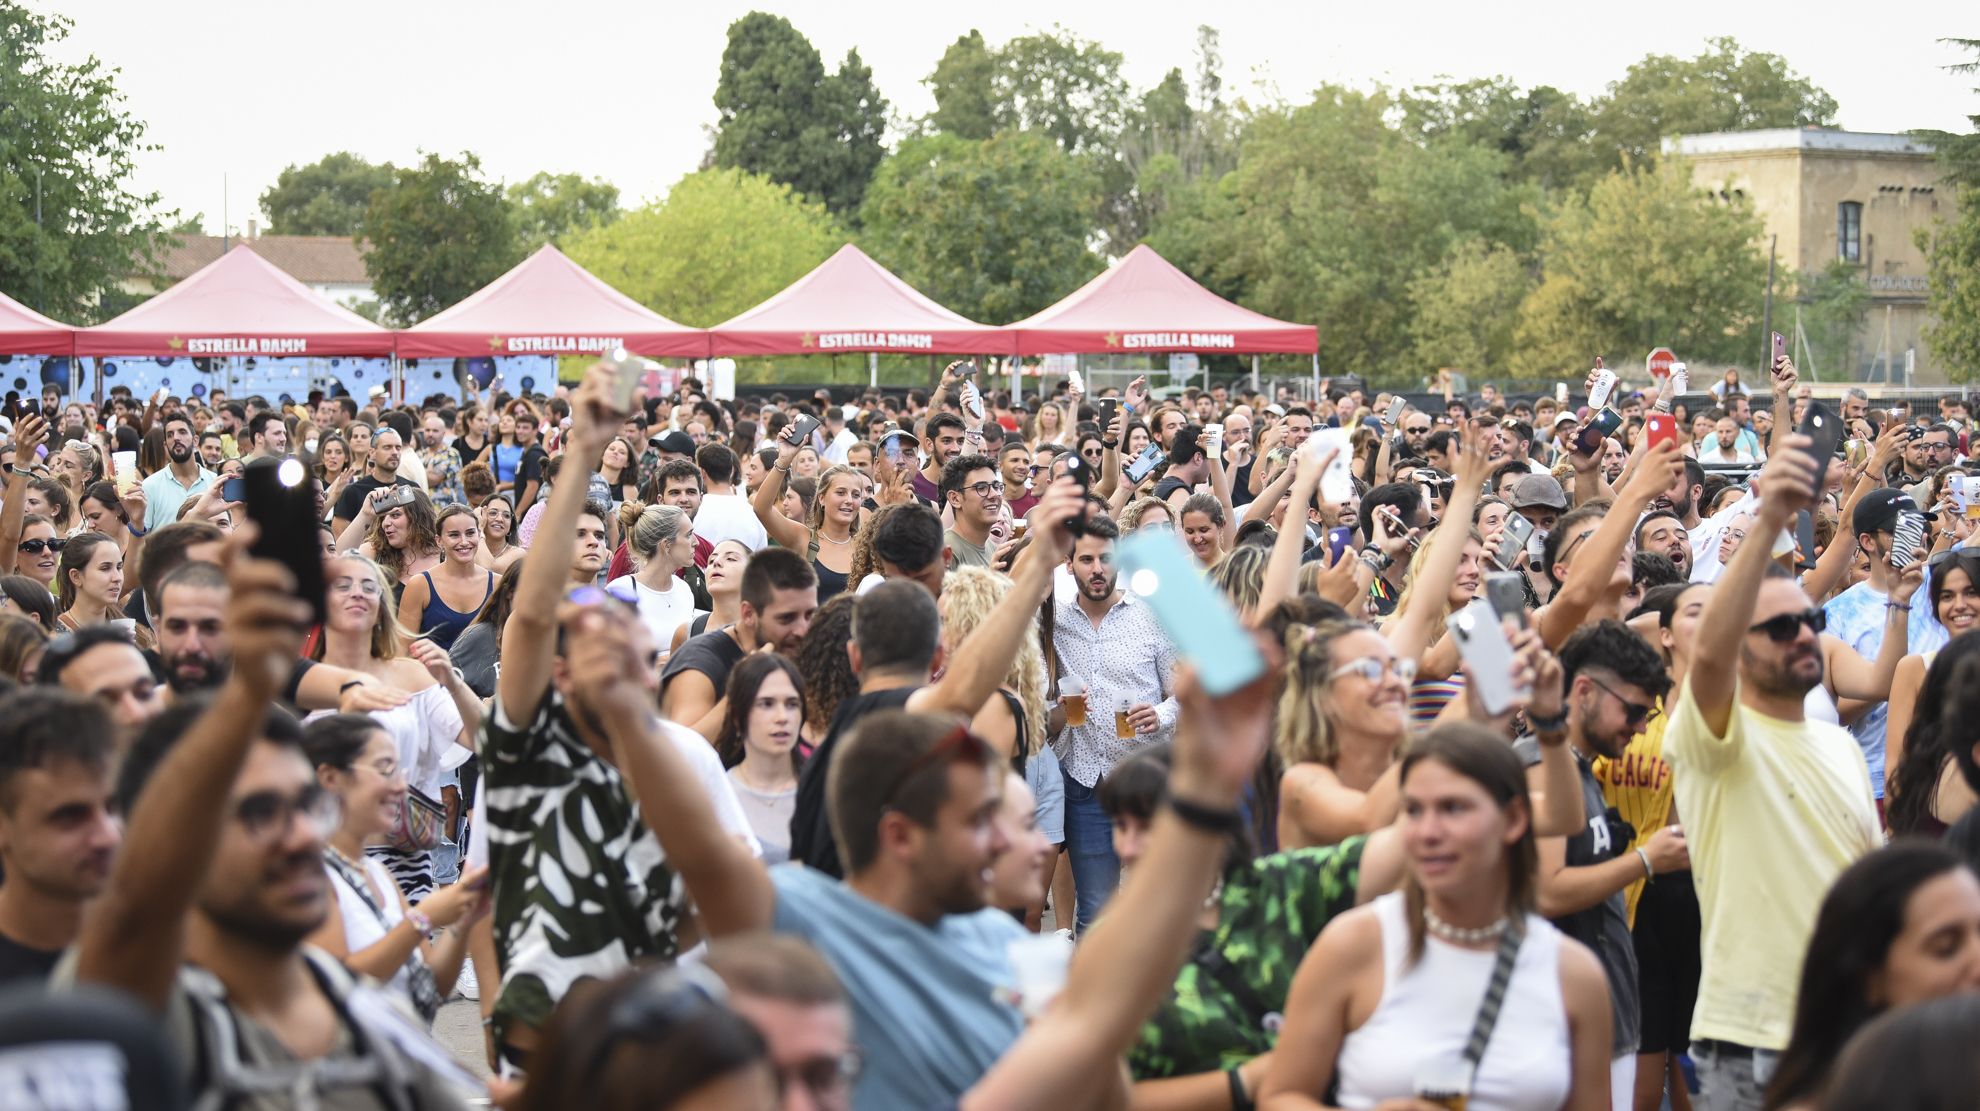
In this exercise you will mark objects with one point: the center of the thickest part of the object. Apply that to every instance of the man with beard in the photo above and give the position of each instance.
(779, 596)
(1775, 804)
(220, 879)
(381, 469)
(942, 438)
(1613, 680)
(58, 829)
(100, 662)
(181, 478)
(1661, 531)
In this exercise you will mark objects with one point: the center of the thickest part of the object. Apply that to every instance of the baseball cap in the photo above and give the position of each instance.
(676, 442)
(1878, 510)
(1276, 409)
(1566, 418)
(1538, 490)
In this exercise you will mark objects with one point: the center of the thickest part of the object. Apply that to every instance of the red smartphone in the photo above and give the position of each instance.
(1780, 347)
(1659, 428)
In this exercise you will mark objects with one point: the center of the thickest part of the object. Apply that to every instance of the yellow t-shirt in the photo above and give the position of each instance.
(1773, 812)
(1638, 785)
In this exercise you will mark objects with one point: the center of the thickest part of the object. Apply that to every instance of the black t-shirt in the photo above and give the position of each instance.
(530, 469)
(1241, 486)
(1169, 486)
(712, 654)
(812, 842)
(351, 502)
(22, 965)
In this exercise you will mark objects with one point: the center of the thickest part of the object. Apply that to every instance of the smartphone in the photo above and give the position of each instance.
(1560, 393)
(1395, 412)
(1804, 538)
(1907, 539)
(1074, 382)
(1512, 541)
(233, 490)
(1600, 427)
(1506, 592)
(1337, 481)
(1483, 646)
(1659, 428)
(281, 501)
(1337, 541)
(1108, 407)
(1780, 347)
(1821, 425)
(1200, 623)
(1080, 472)
(1602, 387)
(799, 431)
(1142, 465)
(627, 370)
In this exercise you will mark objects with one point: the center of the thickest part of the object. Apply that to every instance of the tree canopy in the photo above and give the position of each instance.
(327, 197)
(1952, 247)
(550, 207)
(438, 234)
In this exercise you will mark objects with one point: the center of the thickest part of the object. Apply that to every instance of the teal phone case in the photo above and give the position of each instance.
(1158, 569)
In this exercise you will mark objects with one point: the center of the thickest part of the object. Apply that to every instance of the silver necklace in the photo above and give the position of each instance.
(1463, 935)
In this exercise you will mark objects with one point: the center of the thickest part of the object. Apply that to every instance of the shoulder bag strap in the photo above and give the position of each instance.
(1495, 994)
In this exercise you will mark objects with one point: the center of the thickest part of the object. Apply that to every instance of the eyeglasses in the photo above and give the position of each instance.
(1634, 712)
(1783, 629)
(347, 584)
(956, 745)
(980, 489)
(267, 814)
(36, 547)
(1568, 552)
(826, 1077)
(1372, 669)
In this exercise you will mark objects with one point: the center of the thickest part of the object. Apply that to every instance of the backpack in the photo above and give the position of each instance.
(222, 1078)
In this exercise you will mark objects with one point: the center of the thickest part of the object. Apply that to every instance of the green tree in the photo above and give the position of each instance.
(1646, 258)
(995, 230)
(782, 116)
(722, 241)
(326, 197)
(70, 226)
(1545, 131)
(964, 84)
(551, 207)
(1064, 86)
(1952, 248)
(1465, 307)
(1726, 88)
(438, 234)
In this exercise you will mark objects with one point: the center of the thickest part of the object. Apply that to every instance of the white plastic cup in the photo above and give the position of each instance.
(1039, 962)
(123, 464)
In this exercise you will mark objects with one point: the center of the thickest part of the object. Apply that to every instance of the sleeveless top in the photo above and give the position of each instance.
(441, 622)
(1427, 1011)
(830, 582)
(369, 916)
(508, 458)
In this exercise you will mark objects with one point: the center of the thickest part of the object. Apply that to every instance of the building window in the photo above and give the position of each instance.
(1849, 231)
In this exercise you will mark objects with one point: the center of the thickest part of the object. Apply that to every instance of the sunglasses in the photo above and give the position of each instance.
(1783, 629)
(36, 547)
(1633, 712)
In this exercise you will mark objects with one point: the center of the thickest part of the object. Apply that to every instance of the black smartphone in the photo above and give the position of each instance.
(1804, 535)
(233, 490)
(1601, 426)
(1079, 471)
(281, 500)
(1821, 425)
(1108, 407)
(800, 430)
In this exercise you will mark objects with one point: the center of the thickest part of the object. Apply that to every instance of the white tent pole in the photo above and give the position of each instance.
(873, 369)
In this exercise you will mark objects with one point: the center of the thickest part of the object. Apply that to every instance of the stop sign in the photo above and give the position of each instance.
(1659, 363)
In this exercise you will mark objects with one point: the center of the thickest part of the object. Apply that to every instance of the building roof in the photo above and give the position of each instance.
(1797, 138)
(311, 259)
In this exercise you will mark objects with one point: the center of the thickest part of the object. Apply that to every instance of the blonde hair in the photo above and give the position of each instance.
(1134, 511)
(814, 518)
(654, 525)
(1304, 735)
(1414, 575)
(968, 596)
(1240, 575)
(388, 637)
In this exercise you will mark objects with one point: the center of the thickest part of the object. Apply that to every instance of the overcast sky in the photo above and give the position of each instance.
(623, 91)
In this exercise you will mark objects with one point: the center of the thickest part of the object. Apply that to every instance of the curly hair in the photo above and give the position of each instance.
(422, 535)
(968, 596)
(1132, 513)
(822, 658)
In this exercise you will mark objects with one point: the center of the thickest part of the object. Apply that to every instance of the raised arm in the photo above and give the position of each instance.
(1264, 500)
(1785, 379)
(1785, 486)
(133, 937)
(1220, 485)
(28, 435)
(1595, 565)
(1411, 633)
(786, 532)
(1282, 569)
(1852, 676)
(529, 638)
(985, 658)
(1069, 1056)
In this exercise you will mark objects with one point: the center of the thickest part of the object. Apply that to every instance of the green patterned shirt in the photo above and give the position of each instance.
(1226, 1003)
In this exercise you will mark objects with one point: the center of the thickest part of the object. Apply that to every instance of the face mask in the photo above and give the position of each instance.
(310, 446)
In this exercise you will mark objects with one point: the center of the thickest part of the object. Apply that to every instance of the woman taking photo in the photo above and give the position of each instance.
(1900, 926)
(826, 535)
(376, 932)
(661, 543)
(498, 529)
(103, 511)
(723, 577)
(758, 744)
(1384, 1005)
(399, 532)
(440, 602)
(434, 731)
(92, 586)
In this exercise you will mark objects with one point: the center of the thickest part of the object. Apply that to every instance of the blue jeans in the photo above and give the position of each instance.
(1090, 847)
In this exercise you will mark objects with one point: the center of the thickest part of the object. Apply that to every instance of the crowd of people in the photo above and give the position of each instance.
(813, 752)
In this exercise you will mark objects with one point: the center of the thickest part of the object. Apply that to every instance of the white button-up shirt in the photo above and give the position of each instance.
(1128, 658)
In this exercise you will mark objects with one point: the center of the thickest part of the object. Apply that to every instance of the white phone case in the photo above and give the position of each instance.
(1488, 655)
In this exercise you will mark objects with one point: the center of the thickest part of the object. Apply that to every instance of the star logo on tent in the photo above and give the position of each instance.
(807, 340)
(1113, 339)
(495, 343)
(176, 344)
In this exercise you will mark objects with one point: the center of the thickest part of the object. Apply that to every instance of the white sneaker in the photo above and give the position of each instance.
(465, 985)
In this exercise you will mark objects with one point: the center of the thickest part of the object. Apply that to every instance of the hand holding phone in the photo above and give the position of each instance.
(281, 501)
(1659, 428)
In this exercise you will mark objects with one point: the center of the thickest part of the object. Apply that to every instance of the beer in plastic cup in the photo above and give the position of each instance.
(1072, 695)
(124, 466)
(1123, 728)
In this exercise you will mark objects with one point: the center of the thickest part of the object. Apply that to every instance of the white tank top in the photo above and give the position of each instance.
(1427, 1011)
(362, 929)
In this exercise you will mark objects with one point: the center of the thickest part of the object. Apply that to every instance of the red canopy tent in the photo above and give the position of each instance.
(549, 305)
(1145, 304)
(238, 304)
(851, 303)
(24, 331)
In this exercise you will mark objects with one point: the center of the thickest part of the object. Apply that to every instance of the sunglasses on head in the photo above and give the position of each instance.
(1784, 628)
(36, 547)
